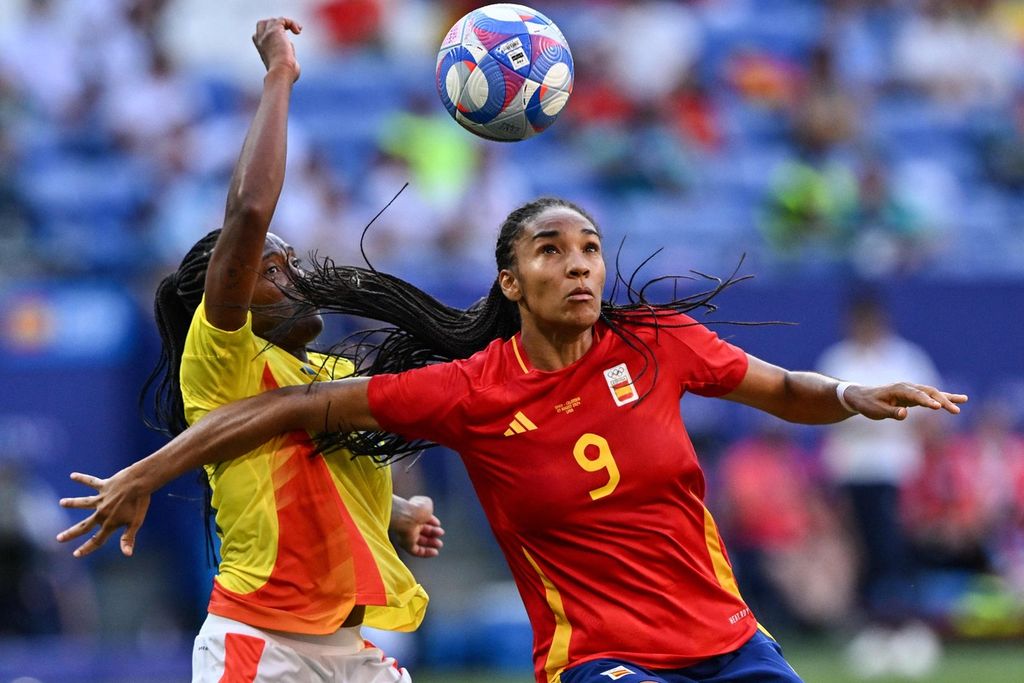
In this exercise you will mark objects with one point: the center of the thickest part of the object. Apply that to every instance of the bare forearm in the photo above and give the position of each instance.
(810, 398)
(259, 174)
(237, 428)
(223, 434)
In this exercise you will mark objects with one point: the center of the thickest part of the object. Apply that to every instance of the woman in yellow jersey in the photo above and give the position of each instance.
(305, 553)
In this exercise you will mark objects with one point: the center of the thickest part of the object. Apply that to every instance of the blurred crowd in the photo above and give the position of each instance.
(881, 139)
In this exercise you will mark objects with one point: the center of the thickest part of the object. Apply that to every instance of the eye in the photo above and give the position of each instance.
(297, 263)
(592, 247)
(549, 249)
(272, 270)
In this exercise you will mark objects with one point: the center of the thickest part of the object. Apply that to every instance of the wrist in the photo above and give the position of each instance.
(283, 72)
(841, 395)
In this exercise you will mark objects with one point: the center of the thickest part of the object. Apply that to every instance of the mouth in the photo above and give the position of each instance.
(580, 294)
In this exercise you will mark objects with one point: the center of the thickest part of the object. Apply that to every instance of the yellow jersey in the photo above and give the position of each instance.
(304, 537)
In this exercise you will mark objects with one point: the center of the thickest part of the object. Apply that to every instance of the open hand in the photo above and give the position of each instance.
(117, 504)
(891, 401)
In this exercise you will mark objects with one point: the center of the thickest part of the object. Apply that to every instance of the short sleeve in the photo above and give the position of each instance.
(703, 362)
(425, 403)
(216, 365)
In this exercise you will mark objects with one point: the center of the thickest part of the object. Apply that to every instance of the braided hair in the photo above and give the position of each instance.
(423, 330)
(177, 298)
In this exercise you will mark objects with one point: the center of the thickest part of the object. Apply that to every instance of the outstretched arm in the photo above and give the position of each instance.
(255, 183)
(811, 398)
(223, 434)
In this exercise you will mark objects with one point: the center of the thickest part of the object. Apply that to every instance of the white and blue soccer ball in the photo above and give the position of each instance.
(504, 72)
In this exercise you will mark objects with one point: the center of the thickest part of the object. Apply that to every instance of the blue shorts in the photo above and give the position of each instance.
(759, 660)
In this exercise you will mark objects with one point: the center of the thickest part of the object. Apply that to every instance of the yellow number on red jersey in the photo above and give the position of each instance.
(603, 461)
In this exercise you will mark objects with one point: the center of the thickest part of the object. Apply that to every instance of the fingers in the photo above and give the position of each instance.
(93, 543)
(78, 529)
(128, 541)
(942, 400)
(84, 502)
(286, 23)
(428, 548)
(87, 479)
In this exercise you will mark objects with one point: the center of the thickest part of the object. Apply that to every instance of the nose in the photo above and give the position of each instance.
(577, 266)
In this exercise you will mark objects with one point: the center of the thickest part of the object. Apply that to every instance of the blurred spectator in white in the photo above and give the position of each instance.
(652, 48)
(144, 112)
(954, 51)
(39, 54)
(794, 561)
(869, 461)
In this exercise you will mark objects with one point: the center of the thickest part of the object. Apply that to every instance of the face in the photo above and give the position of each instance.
(559, 271)
(272, 311)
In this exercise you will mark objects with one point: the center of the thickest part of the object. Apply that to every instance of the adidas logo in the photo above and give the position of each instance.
(519, 424)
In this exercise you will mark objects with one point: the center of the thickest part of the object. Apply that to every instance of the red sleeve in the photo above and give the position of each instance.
(420, 404)
(703, 363)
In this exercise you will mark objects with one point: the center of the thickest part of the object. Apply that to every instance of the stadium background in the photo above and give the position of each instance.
(834, 146)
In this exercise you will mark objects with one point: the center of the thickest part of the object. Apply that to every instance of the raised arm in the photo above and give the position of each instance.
(223, 434)
(255, 184)
(812, 398)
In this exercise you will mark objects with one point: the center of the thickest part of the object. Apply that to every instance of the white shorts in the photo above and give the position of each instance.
(228, 651)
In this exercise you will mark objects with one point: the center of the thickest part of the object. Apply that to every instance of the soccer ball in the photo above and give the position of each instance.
(504, 72)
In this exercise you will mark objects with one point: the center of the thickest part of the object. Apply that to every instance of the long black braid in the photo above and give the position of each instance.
(425, 331)
(177, 298)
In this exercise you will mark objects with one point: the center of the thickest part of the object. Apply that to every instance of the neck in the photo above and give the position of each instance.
(554, 349)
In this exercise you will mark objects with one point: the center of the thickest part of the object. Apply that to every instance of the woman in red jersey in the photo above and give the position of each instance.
(565, 411)
(305, 556)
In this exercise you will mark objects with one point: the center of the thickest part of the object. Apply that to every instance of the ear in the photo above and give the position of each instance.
(509, 285)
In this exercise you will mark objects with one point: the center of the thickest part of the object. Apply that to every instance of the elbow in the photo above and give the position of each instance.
(246, 209)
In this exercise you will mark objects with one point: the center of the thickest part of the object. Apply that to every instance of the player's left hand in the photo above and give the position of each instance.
(118, 503)
(416, 529)
(892, 401)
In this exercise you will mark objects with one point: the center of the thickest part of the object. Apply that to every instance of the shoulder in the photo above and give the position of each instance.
(204, 338)
(334, 367)
(659, 326)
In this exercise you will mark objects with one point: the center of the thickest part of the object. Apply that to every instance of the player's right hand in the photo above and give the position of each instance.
(118, 503)
(275, 48)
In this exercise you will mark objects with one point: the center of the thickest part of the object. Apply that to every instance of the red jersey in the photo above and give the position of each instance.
(595, 497)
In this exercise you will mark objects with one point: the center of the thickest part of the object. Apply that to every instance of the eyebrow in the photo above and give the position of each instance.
(554, 232)
(270, 251)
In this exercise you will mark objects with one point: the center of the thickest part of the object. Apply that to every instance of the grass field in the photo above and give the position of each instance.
(823, 663)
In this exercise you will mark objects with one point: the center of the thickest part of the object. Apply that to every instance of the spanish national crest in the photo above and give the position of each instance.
(621, 384)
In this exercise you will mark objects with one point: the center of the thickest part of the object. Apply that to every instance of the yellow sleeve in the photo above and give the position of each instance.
(216, 365)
